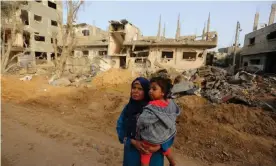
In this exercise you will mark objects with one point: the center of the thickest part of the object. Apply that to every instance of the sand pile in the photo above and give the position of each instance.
(17, 91)
(226, 133)
(114, 77)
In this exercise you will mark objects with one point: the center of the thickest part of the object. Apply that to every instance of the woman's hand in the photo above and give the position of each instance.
(138, 145)
(143, 148)
(151, 149)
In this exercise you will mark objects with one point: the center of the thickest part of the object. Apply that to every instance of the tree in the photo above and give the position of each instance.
(11, 27)
(67, 35)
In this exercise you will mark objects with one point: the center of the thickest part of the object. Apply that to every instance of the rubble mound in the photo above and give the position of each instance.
(114, 77)
(225, 133)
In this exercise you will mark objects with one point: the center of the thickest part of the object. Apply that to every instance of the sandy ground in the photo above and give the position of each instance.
(46, 125)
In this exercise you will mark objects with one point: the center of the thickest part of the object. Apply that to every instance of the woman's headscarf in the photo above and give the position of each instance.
(134, 108)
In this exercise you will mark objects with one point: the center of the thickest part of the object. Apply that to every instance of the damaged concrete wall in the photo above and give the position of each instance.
(118, 37)
(255, 60)
(90, 52)
(114, 46)
(174, 59)
(44, 27)
(18, 40)
(89, 31)
(84, 57)
(78, 65)
(258, 42)
(42, 22)
(132, 32)
(177, 61)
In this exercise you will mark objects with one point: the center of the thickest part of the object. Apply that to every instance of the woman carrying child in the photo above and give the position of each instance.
(127, 127)
(156, 125)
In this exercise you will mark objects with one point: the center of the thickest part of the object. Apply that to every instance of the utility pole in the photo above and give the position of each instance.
(236, 43)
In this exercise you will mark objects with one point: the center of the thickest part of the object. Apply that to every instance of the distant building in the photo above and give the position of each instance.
(40, 21)
(229, 50)
(259, 48)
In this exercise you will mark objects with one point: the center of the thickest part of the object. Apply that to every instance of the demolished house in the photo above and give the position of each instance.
(124, 46)
(130, 49)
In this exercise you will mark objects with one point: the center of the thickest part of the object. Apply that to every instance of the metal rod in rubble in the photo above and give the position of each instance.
(236, 43)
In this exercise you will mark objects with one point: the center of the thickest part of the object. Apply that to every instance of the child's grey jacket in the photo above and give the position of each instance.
(156, 124)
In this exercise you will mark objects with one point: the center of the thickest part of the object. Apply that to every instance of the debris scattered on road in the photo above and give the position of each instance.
(26, 78)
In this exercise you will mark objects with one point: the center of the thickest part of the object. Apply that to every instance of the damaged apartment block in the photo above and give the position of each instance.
(39, 19)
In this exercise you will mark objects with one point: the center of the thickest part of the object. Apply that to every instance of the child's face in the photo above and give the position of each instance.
(137, 92)
(155, 92)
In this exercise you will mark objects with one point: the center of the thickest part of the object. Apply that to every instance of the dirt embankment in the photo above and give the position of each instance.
(114, 77)
(227, 133)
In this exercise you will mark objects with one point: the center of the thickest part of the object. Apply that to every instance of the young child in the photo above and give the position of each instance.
(156, 124)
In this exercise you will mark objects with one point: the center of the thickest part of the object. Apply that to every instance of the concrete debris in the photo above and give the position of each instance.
(41, 71)
(22, 71)
(79, 81)
(61, 82)
(218, 86)
(161, 73)
(251, 69)
(268, 105)
(182, 86)
(26, 78)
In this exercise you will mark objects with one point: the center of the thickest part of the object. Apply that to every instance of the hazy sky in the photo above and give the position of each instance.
(145, 15)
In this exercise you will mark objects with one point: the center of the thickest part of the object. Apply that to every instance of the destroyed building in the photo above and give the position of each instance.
(124, 46)
(259, 48)
(133, 50)
(40, 22)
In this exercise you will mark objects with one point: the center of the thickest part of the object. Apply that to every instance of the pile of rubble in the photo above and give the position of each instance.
(219, 86)
(72, 80)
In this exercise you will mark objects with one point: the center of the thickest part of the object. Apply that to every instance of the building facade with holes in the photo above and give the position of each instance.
(259, 49)
(40, 19)
(128, 48)
(124, 46)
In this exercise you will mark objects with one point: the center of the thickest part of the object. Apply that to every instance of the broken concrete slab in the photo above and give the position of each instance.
(61, 82)
(23, 71)
(218, 71)
(26, 78)
(246, 76)
(182, 87)
(210, 85)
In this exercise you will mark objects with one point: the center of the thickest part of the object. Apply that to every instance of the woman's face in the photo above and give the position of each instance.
(137, 92)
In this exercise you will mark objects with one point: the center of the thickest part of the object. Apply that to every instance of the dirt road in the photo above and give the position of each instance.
(44, 140)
